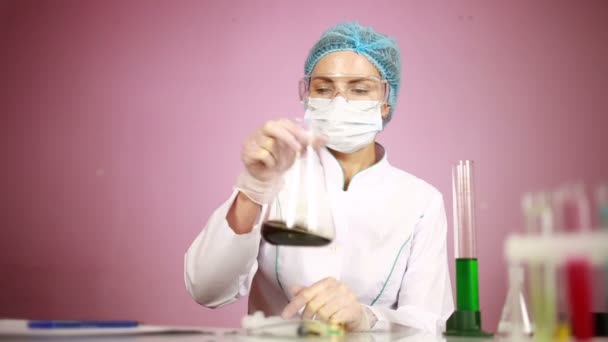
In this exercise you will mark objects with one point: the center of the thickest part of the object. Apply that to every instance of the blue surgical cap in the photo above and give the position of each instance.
(381, 50)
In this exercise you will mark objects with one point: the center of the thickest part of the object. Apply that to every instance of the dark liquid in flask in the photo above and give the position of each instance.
(277, 233)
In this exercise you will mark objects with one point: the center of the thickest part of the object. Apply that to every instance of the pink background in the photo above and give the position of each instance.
(122, 123)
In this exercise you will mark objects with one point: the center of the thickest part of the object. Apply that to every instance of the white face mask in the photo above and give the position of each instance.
(349, 126)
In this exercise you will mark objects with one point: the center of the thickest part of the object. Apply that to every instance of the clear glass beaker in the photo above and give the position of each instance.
(305, 218)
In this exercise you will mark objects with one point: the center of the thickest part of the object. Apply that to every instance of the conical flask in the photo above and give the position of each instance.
(305, 217)
(514, 320)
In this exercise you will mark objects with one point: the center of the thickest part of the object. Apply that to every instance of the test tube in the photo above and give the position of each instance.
(601, 196)
(467, 282)
(539, 218)
(575, 212)
(576, 218)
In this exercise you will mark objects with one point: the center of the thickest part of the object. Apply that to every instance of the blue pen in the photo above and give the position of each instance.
(80, 324)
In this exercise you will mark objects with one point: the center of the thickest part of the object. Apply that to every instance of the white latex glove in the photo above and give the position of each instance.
(332, 302)
(267, 154)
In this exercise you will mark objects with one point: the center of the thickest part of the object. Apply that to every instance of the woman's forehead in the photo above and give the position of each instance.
(345, 62)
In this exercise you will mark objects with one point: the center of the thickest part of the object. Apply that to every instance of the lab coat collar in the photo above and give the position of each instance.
(365, 177)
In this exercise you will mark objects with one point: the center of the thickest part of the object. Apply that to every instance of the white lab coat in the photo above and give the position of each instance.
(389, 249)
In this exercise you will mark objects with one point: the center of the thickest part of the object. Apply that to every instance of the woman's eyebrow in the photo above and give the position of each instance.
(358, 80)
(323, 78)
(329, 79)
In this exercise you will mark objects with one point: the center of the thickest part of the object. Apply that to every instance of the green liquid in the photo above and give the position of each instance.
(467, 284)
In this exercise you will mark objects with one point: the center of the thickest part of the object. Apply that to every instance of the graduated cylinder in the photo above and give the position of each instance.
(467, 282)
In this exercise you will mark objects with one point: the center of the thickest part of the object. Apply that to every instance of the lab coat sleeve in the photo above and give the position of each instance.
(219, 265)
(425, 298)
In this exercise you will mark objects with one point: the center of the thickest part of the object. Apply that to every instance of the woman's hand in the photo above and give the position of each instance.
(330, 301)
(272, 148)
(267, 154)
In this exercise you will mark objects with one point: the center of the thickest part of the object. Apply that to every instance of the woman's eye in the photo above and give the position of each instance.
(360, 91)
(322, 90)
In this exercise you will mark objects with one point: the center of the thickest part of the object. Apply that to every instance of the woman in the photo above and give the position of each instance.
(388, 262)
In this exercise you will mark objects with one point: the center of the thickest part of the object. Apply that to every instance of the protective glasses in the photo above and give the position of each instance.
(351, 87)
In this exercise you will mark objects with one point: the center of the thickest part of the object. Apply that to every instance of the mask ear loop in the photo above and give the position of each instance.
(386, 92)
(304, 89)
